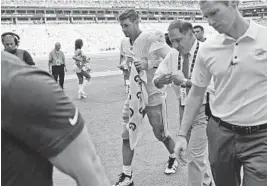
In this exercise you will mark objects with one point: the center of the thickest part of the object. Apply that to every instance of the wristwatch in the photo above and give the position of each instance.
(183, 85)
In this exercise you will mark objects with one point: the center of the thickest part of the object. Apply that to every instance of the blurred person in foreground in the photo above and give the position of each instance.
(236, 58)
(41, 128)
(57, 64)
(11, 42)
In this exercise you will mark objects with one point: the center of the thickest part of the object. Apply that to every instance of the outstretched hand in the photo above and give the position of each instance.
(181, 150)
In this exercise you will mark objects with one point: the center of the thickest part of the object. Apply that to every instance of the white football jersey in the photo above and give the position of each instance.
(145, 46)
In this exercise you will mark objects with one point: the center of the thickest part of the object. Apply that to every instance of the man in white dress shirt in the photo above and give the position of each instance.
(176, 69)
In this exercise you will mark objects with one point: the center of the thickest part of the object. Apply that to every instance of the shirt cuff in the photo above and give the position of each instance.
(182, 133)
(198, 84)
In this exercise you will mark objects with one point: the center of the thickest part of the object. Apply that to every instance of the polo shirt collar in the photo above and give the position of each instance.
(251, 33)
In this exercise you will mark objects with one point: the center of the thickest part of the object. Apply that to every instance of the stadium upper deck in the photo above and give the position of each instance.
(97, 11)
(103, 3)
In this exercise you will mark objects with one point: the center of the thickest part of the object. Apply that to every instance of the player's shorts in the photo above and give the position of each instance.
(157, 117)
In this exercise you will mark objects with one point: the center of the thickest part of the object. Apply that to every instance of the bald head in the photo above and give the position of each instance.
(9, 43)
(57, 46)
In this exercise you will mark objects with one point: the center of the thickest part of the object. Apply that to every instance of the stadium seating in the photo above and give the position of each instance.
(106, 3)
(96, 37)
(120, 3)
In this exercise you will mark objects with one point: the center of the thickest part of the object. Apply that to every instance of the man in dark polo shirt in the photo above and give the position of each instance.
(199, 33)
(57, 64)
(41, 128)
(11, 41)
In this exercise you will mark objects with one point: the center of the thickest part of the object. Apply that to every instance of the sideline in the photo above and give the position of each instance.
(90, 54)
(96, 74)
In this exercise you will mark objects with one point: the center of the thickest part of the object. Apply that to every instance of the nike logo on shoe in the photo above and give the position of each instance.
(74, 120)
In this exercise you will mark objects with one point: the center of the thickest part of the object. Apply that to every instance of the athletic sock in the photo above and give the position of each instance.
(127, 170)
(173, 155)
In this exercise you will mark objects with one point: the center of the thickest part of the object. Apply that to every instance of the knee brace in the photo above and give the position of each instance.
(126, 112)
(166, 138)
(161, 135)
(125, 119)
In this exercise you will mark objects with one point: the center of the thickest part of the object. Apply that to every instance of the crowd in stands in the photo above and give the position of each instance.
(262, 21)
(106, 3)
(253, 3)
(189, 4)
(97, 37)
(39, 39)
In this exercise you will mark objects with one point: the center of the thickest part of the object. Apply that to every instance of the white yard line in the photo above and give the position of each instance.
(96, 74)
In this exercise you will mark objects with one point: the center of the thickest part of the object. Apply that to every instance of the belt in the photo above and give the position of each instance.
(240, 129)
(204, 104)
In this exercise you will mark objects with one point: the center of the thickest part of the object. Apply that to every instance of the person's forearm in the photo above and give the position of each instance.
(31, 63)
(84, 167)
(63, 59)
(77, 59)
(28, 59)
(90, 171)
(192, 106)
(92, 175)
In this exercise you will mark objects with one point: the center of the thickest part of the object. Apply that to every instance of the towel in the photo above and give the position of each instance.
(138, 100)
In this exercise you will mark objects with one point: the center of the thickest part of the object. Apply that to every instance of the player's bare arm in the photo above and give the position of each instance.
(77, 58)
(79, 160)
(162, 52)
